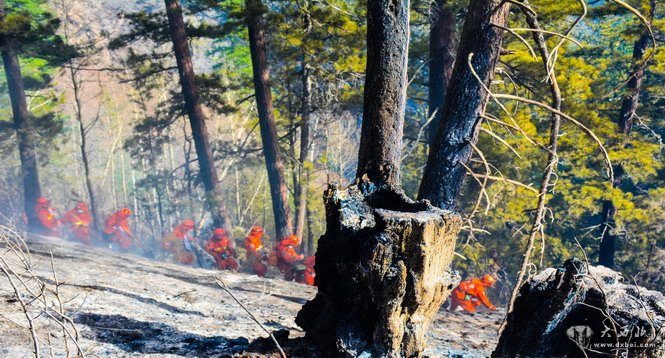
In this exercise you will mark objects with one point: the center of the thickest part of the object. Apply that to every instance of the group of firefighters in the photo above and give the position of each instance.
(181, 245)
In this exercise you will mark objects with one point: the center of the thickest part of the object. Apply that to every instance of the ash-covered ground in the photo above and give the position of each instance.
(125, 305)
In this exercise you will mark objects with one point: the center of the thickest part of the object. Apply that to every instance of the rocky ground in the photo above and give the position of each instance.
(126, 305)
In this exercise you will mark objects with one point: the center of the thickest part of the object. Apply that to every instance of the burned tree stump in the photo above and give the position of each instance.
(573, 311)
(382, 272)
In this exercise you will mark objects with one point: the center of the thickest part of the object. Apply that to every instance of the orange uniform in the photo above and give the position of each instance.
(50, 225)
(78, 222)
(310, 275)
(256, 256)
(116, 228)
(471, 293)
(287, 257)
(219, 246)
(180, 244)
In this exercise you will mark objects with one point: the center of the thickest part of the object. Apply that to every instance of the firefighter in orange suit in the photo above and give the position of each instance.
(116, 229)
(77, 221)
(50, 225)
(309, 270)
(219, 246)
(180, 243)
(256, 255)
(471, 293)
(287, 260)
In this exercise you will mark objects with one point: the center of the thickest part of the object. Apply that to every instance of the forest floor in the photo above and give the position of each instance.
(126, 305)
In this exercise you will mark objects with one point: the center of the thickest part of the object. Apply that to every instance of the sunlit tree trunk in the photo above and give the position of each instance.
(271, 151)
(305, 148)
(22, 125)
(197, 118)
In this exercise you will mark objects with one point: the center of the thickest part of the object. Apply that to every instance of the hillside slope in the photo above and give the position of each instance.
(125, 305)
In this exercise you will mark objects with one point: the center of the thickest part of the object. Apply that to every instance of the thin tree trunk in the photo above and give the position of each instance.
(380, 149)
(271, 151)
(311, 243)
(305, 146)
(23, 127)
(197, 118)
(83, 146)
(442, 60)
(627, 115)
(466, 100)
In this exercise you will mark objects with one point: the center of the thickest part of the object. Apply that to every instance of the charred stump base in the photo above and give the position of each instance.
(573, 311)
(382, 269)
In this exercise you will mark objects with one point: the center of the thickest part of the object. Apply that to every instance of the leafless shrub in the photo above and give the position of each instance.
(40, 300)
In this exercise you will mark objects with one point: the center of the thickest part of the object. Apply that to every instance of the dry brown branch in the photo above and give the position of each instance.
(515, 127)
(509, 181)
(552, 57)
(571, 39)
(501, 140)
(26, 313)
(519, 37)
(654, 44)
(584, 128)
(552, 158)
(35, 297)
(222, 284)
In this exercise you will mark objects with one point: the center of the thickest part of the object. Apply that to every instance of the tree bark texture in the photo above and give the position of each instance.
(305, 147)
(271, 151)
(627, 116)
(23, 127)
(380, 150)
(196, 116)
(442, 60)
(465, 102)
(578, 310)
(382, 274)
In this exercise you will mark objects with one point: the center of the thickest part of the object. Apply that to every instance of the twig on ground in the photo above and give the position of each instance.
(222, 284)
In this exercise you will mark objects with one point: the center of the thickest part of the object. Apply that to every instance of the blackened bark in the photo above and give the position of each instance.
(383, 263)
(385, 92)
(631, 99)
(271, 151)
(22, 126)
(382, 276)
(578, 310)
(442, 60)
(196, 116)
(608, 237)
(466, 100)
(305, 146)
(627, 116)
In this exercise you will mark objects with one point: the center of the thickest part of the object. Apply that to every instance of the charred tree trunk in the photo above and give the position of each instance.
(271, 151)
(385, 93)
(196, 116)
(465, 102)
(578, 310)
(382, 265)
(627, 116)
(442, 60)
(305, 146)
(23, 127)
